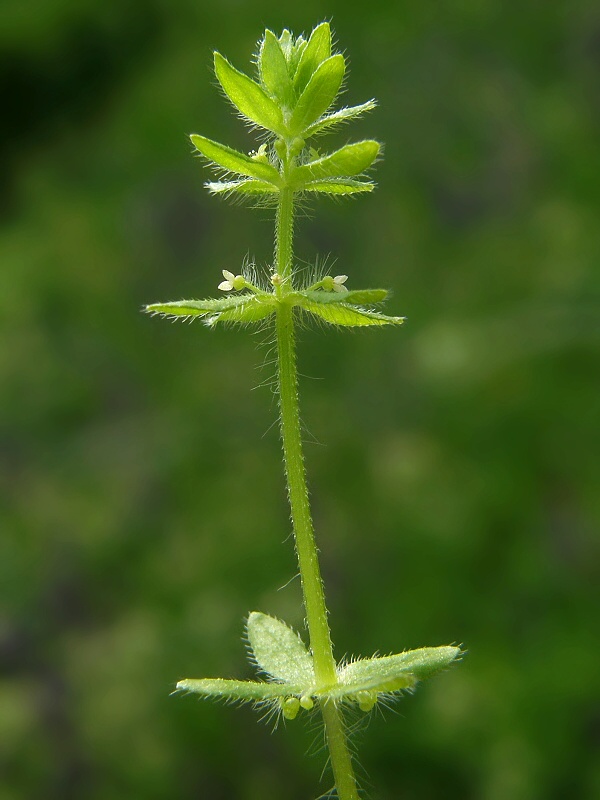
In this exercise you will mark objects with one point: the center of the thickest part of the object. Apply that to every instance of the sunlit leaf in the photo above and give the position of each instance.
(361, 297)
(273, 68)
(278, 650)
(194, 308)
(248, 97)
(254, 309)
(349, 160)
(317, 50)
(235, 308)
(241, 187)
(234, 161)
(388, 672)
(338, 186)
(286, 42)
(296, 54)
(244, 691)
(347, 315)
(329, 121)
(319, 94)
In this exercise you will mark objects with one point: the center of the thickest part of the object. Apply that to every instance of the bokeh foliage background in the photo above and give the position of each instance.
(456, 494)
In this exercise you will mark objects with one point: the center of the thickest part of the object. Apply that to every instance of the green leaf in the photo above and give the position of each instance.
(248, 97)
(194, 308)
(273, 68)
(337, 117)
(365, 297)
(253, 309)
(279, 651)
(350, 688)
(241, 187)
(361, 297)
(286, 42)
(391, 673)
(349, 316)
(349, 160)
(234, 161)
(317, 50)
(236, 308)
(339, 186)
(245, 691)
(318, 95)
(296, 54)
(287, 654)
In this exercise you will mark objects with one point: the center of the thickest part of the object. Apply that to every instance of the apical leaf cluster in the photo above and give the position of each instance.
(298, 81)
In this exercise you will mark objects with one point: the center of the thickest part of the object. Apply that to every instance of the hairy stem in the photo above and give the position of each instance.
(284, 229)
(312, 584)
(341, 762)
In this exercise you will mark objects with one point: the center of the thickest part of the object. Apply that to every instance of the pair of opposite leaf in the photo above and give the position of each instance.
(298, 80)
(256, 305)
(281, 654)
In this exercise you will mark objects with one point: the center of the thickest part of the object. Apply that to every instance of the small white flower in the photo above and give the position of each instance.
(335, 284)
(227, 285)
(338, 283)
(232, 282)
(260, 154)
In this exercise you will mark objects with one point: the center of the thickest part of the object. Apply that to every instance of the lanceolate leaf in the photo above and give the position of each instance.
(349, 160)
(273, 69)
(295, 55)
(286, 42)
(349, 316)
(195, 308)
(319, 94)
(338, 186)
(317, 50)
(253, 309)
(349, 689)
(337, 117)
(250, 186)
(237, 308)
(248, 97)
(234, 161)
(361, 297)
(244, 691)
(388, 672)
(279, 651)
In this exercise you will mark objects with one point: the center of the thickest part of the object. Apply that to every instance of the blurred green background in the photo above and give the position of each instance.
(455, 493)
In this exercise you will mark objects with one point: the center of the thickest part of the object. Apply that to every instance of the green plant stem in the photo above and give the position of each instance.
(312, 585)
(310, 573)
(284, 228)
(341, 762)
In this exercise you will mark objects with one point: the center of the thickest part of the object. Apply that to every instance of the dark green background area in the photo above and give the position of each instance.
(454, 463)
